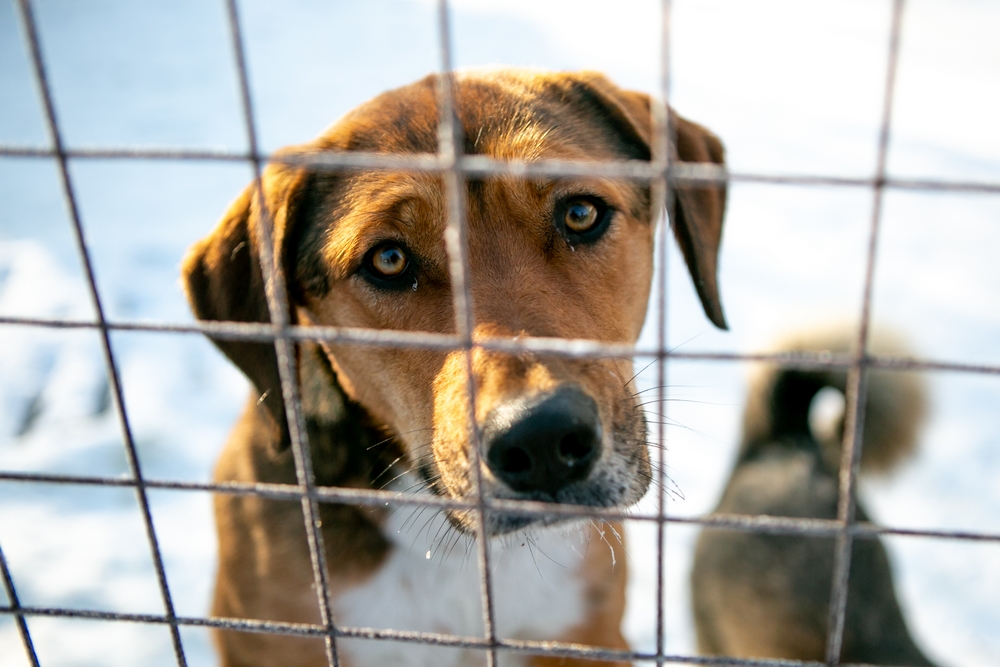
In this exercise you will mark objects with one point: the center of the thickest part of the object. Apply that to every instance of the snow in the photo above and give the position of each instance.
(790, 87)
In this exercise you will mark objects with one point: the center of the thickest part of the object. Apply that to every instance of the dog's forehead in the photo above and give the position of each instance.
(504, 113)
(514, 114)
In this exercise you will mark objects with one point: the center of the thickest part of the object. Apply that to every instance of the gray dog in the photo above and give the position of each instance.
(760, 595)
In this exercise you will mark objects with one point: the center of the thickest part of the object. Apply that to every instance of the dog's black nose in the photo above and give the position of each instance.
(545, 445)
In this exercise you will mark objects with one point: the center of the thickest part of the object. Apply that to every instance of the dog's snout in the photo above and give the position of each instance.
(547, 445)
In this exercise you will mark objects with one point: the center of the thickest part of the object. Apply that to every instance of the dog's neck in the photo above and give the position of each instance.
(348, 446)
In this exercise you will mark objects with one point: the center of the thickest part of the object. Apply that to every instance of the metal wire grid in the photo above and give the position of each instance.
(454, 167)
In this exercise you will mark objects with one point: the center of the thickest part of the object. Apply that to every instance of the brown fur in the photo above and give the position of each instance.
(527, 279)
(767, 596)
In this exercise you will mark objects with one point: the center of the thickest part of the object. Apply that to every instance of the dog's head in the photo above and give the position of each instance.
(558, 257)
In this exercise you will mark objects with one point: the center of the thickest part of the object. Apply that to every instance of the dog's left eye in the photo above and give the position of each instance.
(583, 219)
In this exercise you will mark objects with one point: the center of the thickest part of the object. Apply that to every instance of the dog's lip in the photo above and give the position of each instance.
(504, 521)
(503, 494)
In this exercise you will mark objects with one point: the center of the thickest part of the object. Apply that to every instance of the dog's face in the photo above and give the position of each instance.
(560, 257)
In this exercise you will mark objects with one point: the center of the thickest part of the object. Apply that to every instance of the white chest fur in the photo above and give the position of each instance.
(431, 583)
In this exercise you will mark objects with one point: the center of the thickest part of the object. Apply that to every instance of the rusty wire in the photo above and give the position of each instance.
(663, 137)
(278, 308)
(111, 365)
(857, 377)
(661, 172)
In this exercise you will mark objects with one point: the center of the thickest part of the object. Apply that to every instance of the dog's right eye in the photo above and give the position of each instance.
(583, 219)
(388, 260)
(581, 216)
(387, 265)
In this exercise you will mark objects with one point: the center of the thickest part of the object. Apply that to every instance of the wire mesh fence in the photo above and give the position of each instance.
(661, 173)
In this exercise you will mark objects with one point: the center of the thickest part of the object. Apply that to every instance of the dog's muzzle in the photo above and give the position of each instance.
(542, 445)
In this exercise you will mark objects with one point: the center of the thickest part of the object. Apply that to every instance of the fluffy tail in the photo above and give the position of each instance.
(779, 402)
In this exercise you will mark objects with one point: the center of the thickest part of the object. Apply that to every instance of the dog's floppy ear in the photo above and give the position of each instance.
(696, 216)
(696, 212)
(223, 279)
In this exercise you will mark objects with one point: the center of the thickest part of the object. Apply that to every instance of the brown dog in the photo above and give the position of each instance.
(561, 257)
(767, 596)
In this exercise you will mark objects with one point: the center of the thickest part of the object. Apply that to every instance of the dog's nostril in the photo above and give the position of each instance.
(514, 460)
(576, 448)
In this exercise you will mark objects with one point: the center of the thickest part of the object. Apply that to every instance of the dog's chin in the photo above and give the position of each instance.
(498, 523)
(503, 522)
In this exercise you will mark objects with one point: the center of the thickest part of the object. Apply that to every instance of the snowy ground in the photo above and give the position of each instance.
(790, 87)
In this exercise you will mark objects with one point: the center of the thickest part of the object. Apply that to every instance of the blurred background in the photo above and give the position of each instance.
(790, 87)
